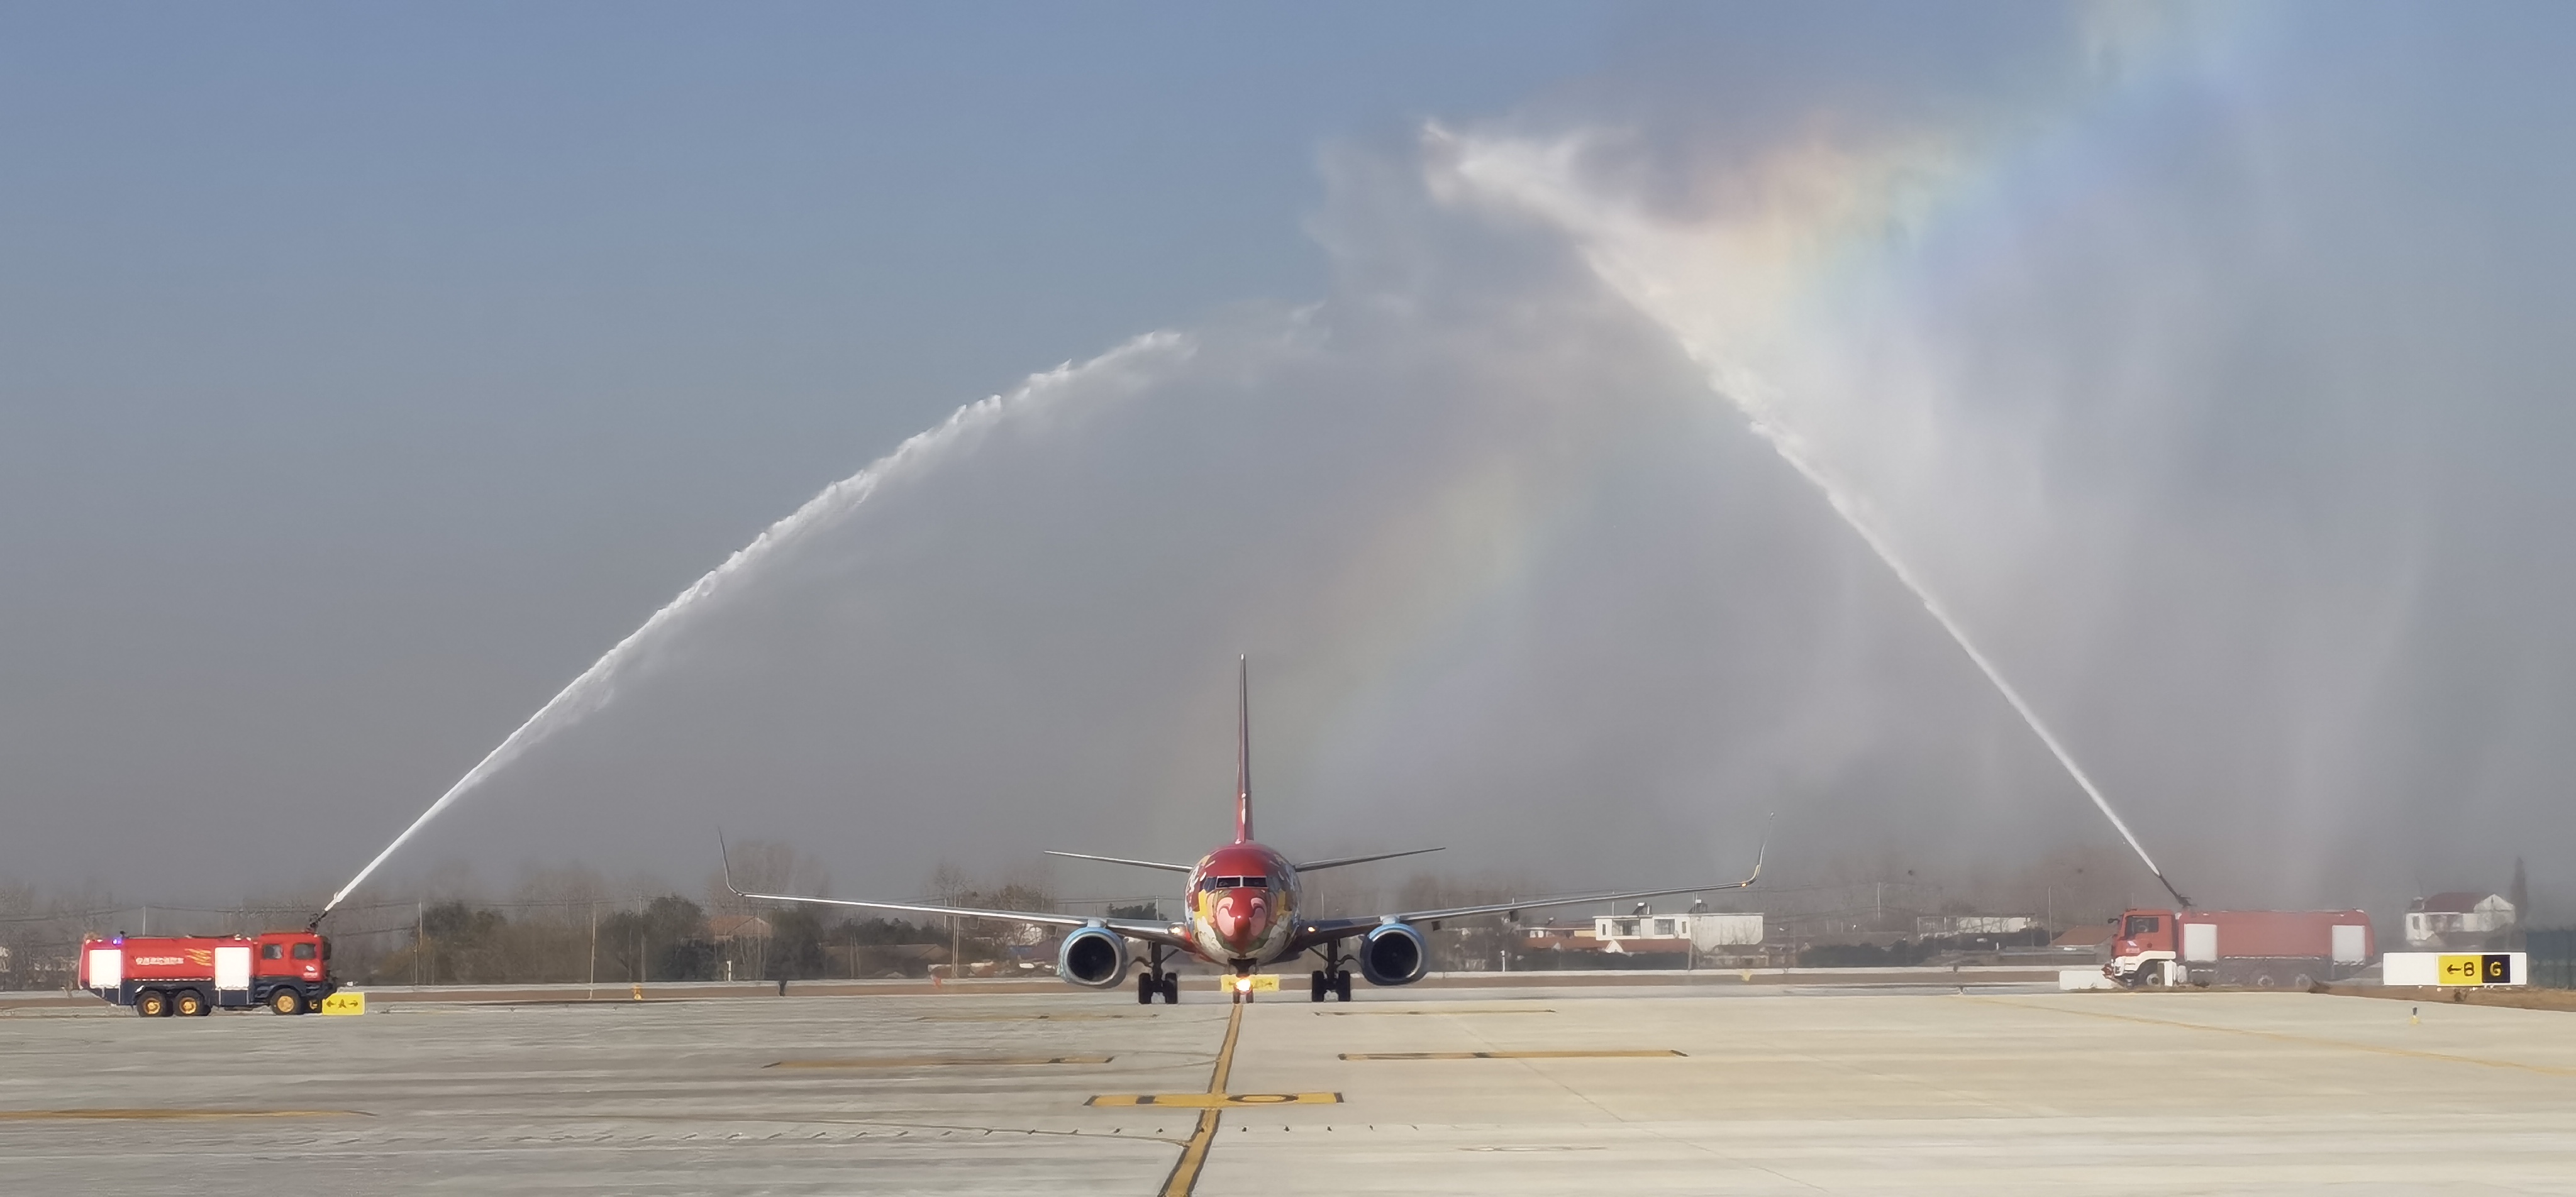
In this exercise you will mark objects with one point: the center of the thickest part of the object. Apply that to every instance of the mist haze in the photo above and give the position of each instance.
(2206, 367)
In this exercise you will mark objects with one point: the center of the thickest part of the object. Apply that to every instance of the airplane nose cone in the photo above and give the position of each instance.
(1240, 920)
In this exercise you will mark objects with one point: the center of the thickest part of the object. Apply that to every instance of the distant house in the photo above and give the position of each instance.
(2459, 918)
(1650, 934)
(1702, 931)
(725, 928)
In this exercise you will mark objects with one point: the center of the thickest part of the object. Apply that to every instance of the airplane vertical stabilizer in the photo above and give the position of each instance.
(1243, 751)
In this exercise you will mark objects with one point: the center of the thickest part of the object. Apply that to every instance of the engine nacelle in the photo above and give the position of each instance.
(1093, 957)
(1394, 954)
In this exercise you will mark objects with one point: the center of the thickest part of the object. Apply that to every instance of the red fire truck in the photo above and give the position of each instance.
(160, 975)
(2260, 948)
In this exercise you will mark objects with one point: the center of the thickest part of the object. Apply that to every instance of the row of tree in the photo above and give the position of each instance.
(665, 938)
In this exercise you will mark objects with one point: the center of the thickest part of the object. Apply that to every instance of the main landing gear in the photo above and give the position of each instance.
(1154, 981)
(1332, 978)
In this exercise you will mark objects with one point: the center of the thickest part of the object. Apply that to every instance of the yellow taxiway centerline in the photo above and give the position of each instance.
(1185, 1171)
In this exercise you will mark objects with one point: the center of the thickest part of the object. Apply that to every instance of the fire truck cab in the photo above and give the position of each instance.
(2142, 950)
(288, 972)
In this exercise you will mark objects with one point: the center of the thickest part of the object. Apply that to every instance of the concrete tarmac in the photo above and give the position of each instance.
(1492, 1092)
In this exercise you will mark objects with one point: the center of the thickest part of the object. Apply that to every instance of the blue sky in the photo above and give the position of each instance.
(372, 366)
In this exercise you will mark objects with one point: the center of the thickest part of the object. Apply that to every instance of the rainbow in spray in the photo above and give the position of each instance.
(1793, 260)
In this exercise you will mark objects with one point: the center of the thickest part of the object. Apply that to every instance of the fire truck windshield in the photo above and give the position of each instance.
(2142, 924)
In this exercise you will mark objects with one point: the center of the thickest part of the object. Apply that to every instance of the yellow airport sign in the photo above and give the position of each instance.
(347, 1001)
(2483, 968)
(1256, 983)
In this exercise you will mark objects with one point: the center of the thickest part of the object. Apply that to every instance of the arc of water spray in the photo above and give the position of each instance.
(593, 688)
(1785, 444)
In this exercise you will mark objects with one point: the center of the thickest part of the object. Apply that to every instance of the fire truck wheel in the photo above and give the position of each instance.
(189, 1003)
(151, 1003)
(286, 1001)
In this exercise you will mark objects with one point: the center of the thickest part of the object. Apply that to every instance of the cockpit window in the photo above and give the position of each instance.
(1235, 883)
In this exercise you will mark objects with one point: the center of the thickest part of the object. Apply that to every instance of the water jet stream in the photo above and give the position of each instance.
(1783, 443)
(594, 687)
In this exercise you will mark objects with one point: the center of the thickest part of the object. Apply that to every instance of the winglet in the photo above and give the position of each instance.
(1760, 852)
(726, 855)
(1243, 750)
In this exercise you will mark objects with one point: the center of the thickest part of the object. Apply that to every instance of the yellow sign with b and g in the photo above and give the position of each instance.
(2489, 968)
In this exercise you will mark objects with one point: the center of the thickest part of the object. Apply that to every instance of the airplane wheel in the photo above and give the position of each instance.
(1342, 985)
(1171, 989)
(1145, 989)
(1316, 983)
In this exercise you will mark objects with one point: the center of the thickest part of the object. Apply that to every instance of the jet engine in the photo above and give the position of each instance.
(1393, 954)
(1093, 957)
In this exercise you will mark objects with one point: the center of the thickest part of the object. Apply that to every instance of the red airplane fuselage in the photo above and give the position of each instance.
(1243, 903)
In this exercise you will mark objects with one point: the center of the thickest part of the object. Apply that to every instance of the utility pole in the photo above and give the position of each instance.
(419, 944)
(955, 947)
(593, 990)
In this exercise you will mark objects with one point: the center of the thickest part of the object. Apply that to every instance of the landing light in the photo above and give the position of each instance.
(1243, 984)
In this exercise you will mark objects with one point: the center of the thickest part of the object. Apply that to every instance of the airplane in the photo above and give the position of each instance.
(1245, 911)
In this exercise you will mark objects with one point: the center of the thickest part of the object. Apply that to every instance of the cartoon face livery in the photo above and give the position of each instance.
(1243, 903)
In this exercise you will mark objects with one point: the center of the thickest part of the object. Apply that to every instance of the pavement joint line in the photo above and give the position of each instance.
(170, 1114)
(1185, 1170)
(2310, 1040)
(1227, 1101)
(1322, 1013)
(1615, 1054)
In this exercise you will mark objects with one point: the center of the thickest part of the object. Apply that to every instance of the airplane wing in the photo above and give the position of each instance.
(1320, 931)
(1172, 934)
(1164, 933)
